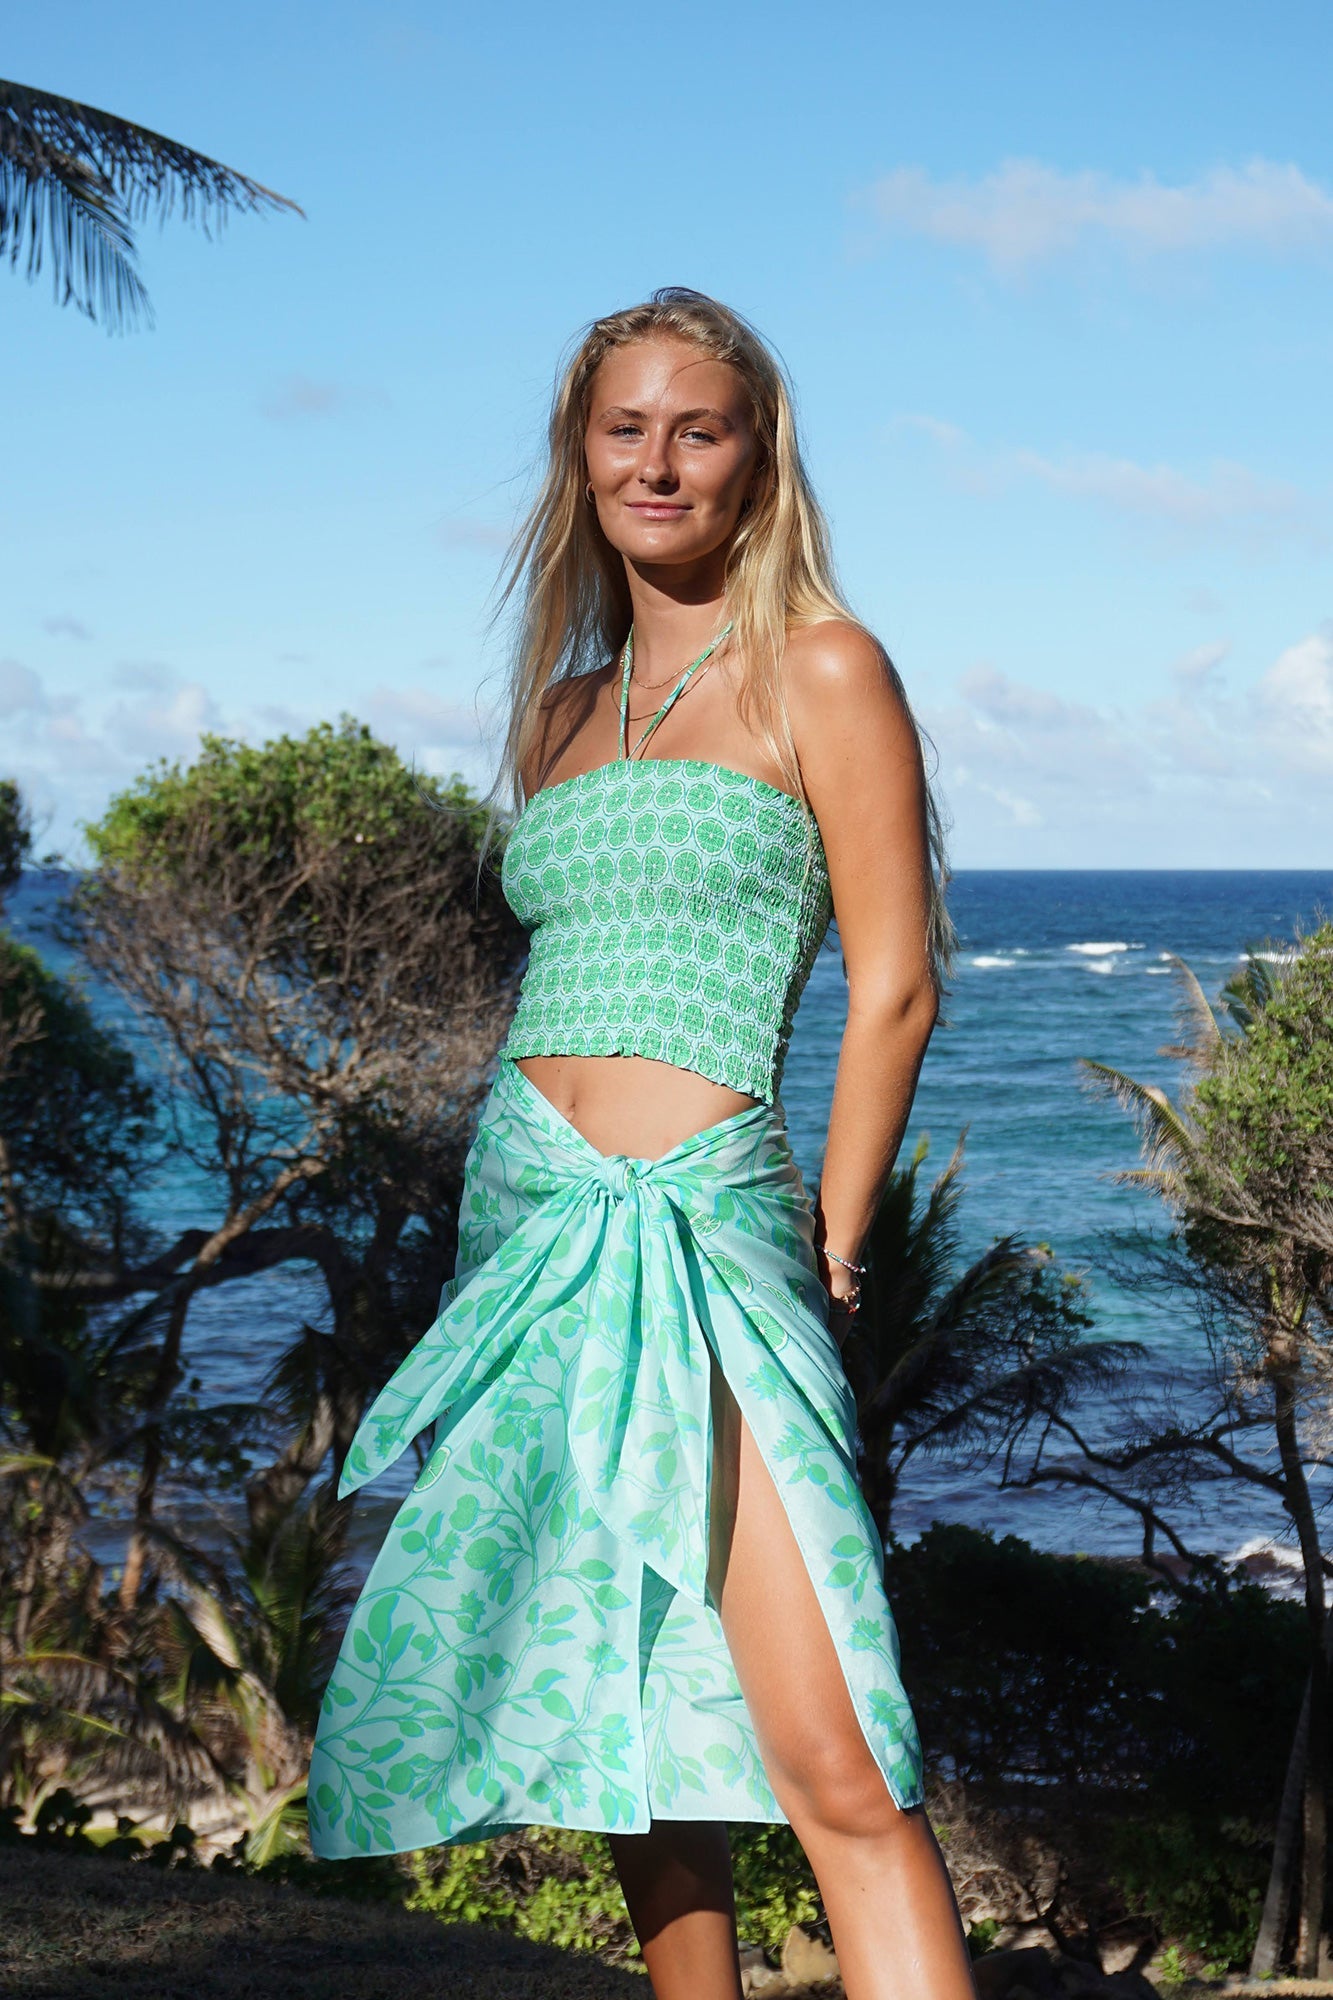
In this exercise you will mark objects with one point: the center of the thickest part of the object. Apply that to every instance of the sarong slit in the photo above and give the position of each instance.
(538, 1640)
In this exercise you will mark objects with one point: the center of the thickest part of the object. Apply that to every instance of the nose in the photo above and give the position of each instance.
(655, 466)
(620, 1173)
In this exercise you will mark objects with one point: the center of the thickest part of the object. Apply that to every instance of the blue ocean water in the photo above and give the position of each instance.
(1052, 966)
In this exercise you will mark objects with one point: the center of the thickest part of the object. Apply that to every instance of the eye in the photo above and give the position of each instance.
(620, 430)
(695, 432)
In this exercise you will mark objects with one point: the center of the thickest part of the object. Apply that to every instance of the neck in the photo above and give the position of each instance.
(674, 616)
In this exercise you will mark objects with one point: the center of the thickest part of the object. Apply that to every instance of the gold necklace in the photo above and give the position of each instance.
(694, 680)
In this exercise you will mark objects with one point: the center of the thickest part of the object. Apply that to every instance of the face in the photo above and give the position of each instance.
(671, 451)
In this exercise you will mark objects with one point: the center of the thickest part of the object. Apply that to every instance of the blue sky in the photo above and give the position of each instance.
(1054, 283)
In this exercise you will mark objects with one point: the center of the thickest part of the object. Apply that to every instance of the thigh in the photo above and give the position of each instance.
(812, 1743)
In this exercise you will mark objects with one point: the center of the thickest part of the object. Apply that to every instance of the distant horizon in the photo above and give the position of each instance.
(63, 867)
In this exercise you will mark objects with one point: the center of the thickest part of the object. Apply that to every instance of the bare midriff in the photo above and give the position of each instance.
(631, 1104)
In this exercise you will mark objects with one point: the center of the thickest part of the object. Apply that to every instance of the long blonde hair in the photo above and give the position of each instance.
(573, 591)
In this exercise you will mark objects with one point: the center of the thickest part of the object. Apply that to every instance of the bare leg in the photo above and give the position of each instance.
(677, 1884)
(885, 1887)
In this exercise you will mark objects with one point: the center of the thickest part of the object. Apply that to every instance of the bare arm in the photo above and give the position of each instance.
(861, 760)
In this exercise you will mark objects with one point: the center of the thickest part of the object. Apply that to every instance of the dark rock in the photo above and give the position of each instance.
(999, 1975)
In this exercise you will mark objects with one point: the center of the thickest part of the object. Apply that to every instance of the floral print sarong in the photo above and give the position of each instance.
(538, 1641)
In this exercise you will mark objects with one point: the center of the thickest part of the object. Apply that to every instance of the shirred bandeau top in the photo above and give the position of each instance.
(675, 910)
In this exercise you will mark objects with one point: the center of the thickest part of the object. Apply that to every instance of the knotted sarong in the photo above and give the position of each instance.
(538, 1640)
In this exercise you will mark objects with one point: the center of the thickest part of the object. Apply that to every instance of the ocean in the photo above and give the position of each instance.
(1053, 965)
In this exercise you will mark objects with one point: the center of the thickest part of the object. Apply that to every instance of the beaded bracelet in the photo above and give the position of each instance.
(859, 1270)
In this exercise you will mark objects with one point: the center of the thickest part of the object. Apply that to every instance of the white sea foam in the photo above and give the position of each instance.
(1272, 1564)
(1099, 964)
(1100, 950)
(1276, 957)
(985, 964)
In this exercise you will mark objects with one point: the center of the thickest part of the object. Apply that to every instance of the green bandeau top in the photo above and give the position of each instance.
(675, 910)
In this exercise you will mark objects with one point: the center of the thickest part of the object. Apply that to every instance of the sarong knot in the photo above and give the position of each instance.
(620, 1172)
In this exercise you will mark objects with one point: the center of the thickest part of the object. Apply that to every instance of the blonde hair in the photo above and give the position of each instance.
(571, 583)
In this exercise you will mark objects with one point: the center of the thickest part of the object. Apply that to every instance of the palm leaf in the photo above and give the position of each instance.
(278, 1828)
(1169, 1139)
(1197, 1016)
(73, 182)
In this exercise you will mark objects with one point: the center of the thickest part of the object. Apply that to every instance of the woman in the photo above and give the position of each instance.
(636, 1587)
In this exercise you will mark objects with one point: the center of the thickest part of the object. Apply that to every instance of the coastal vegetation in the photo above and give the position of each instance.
(319, 970)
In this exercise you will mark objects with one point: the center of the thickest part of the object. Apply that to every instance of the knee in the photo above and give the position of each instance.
(834, 1785)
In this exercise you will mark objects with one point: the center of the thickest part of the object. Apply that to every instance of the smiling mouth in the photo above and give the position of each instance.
(665, 507)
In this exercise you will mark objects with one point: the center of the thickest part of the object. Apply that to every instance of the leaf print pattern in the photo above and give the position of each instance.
(536, 1642)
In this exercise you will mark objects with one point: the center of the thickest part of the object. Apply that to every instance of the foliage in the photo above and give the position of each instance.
(1264, 1113)
(74, 180)
(77, 1119)
(1086, 1679)
(15, 835)
(1042, 1679)
(330, 787)
(329, 973)
(944, 1354)
(774, 1886)
(255, 1637)
(62, 1822)
(561, 1888)
(1198, 1877)
(1243, 1162)
(551, 1886)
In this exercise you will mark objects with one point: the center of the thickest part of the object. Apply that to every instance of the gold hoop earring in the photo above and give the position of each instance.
(588, 493)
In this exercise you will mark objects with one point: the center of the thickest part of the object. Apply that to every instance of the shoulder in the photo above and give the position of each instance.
(559, 712)
(838, 676)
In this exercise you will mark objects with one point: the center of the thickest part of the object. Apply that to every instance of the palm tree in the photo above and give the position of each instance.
(1261, 1253)
(73, 183)
(943, 1354)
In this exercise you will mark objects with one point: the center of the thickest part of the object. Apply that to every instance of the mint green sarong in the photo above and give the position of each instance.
(538, 1640)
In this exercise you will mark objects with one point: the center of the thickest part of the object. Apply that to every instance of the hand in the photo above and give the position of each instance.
(844, 1294)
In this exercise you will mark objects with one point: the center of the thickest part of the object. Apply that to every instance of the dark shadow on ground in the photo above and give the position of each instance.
(74, 1927)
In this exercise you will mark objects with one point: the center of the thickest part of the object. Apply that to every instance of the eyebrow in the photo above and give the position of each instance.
(682, 416)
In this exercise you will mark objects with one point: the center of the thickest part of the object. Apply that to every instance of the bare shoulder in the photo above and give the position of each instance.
(838, 677)
(563, 709)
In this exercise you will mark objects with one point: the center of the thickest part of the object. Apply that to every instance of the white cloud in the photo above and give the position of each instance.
(20, 689)
(166, 720)
(299, 397)
(1021, 811)
(1194, 667)
(1295, 702)
(1224, 495)
(71, 752)
(416, 709)
(1193, 775)
(1024, 212)
(1227, 492)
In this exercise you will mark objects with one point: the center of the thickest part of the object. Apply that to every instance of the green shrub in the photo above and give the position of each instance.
(1200, 1883)
(774, 1886)
(551, 1885)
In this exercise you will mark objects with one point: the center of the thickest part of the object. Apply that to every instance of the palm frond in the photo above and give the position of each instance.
(1196, 1015)
(278, 1828)
(1039, 1385)
(1167, 1134)
(73, 182)
(1247, 994)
